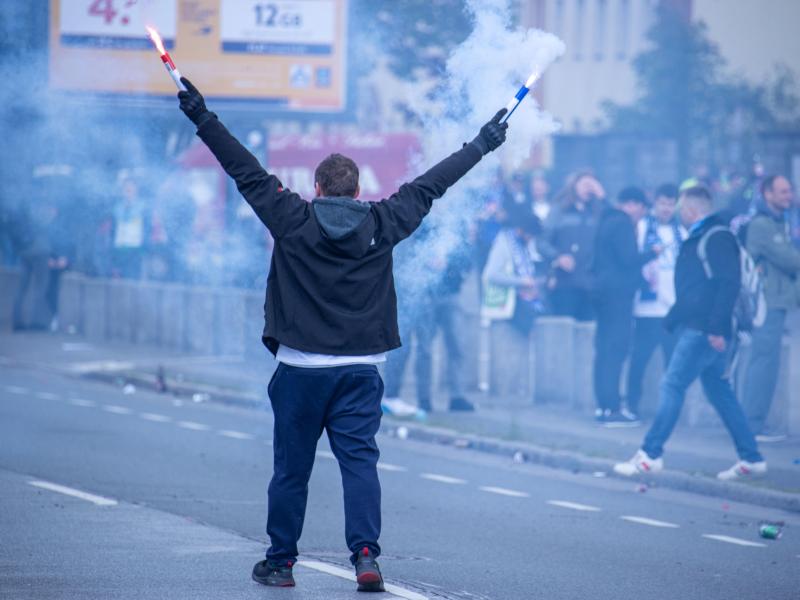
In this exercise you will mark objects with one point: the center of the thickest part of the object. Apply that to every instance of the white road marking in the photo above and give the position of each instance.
(155, 417)
(67, 491)
(504, 491)
(83, 403)
(326, 454)
(15, 389)
(651, 522)
(47, 395)
(390, 467)
(236, 435)
(193, 426)
(733, 540)
(443, 478)
(117, 410)
(350, 576)
(574, 505)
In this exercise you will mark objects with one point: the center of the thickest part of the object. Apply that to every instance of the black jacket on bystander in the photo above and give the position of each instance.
(617, 263)
(703, 303)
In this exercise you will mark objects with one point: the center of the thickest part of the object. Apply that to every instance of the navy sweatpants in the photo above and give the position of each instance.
(346, 402)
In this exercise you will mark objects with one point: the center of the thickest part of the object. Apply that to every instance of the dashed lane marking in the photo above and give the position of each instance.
(574, 505)
(47, 395)
(15, 389)
(191, 425)
(350, 576)
(390, 467)
(732, 540)
(117, 410)
(504, 491)
(68, 491)
(326, 454)
(83, 403)
(651, 522)
(155, 417)
(443, 478)
(236, 435)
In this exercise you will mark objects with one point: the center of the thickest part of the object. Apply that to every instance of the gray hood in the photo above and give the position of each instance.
(339, 216)
(345, 223)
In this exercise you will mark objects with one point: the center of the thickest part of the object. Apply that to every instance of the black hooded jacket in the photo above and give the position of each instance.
(330, 288)
(617, 264)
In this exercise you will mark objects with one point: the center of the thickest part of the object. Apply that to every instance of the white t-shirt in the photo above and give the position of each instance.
(659, 272)
(297, 358)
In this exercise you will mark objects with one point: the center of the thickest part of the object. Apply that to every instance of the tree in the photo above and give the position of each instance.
(686, 95)
(416, 35)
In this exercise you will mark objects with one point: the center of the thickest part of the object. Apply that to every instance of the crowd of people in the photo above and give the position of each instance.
(577, 253)
(140, 231)
(586, 256)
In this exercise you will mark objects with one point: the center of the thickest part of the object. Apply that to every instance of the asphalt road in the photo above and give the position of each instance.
(457, 524)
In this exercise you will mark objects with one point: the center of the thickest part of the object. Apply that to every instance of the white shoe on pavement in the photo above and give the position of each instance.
(396, 407)
(743, 469)
(770, 438)
(640, 463)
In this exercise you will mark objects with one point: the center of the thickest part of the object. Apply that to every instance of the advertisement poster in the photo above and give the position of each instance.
(288, 53)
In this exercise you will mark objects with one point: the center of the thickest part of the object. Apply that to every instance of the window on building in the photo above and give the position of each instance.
(558, 18)
(624, 29)
(601, 20)
(577, 42)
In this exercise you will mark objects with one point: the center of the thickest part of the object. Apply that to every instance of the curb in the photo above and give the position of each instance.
(576, 462)
(517, 451)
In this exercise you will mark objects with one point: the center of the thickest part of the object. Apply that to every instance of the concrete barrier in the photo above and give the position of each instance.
(562, 355)
(553, 365)
(9, 280)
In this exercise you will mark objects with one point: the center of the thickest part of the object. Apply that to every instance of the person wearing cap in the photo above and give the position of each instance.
(617, 274)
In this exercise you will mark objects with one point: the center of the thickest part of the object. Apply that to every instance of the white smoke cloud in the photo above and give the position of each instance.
(482, 74)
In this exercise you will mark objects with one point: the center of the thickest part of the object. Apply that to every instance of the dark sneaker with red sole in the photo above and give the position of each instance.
(368, 573)
(266, 574)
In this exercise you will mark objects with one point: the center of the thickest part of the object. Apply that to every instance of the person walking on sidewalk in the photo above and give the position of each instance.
(703, 314)
(657, 292)
(770, 245)
(331, 315)
(428, 310)
(617, 272)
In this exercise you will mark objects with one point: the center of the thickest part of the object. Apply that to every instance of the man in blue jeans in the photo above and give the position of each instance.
(770, 245)
(703, 315)
(331, 316)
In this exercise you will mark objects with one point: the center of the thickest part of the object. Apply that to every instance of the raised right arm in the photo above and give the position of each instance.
(279, 209)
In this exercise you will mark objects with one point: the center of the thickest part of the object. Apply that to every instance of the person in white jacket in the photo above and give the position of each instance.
(657, 295)
(511, 285)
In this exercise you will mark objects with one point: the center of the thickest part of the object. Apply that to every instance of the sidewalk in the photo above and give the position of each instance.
(550, 435)
(56, 545)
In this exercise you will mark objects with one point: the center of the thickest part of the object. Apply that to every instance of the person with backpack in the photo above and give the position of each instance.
(708, 286)
(769, 243)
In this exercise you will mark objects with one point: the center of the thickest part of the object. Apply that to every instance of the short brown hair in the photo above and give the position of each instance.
(337, 175)
(699, 194)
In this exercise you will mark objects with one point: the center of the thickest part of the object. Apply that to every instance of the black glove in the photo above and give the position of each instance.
(492, 135)
(193, 105)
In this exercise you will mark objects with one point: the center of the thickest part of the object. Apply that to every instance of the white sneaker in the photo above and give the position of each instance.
(770, 438)
(743, 469)
(396, 407)
(640, 463)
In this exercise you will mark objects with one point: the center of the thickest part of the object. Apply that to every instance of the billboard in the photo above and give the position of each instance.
(289, 53)
(382, 159)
